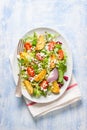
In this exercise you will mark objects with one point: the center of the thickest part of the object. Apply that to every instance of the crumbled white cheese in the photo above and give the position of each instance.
(31, 79)
(32, 58)
(22, 67)
(43, 89)
(55, 61)
(28, 51)
(39, 65)
(42, 54)
(46, 47)
(50, 84)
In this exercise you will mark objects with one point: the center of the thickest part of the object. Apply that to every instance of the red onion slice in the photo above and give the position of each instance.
(53, 75)
(66, 78)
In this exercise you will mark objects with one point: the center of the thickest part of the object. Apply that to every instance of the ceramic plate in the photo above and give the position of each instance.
(65, 46)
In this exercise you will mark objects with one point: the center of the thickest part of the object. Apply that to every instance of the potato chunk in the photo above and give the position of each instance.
(28, 86)
(41, 43)
(55, 87)
(52, 61)
(40, 76)
(24, 55)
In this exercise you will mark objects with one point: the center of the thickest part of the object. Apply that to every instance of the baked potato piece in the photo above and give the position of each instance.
(28, 86)
(40, 76)
(55, 88)
(24, 55)
(52, 61)
(41, 43)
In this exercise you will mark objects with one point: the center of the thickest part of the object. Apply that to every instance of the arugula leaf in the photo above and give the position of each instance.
(35, 66)
(44, 51)
(58, 46)
(21, 62)
(61, 74)
(45, 62)
(24, 62)
(32, 54)
(44, 93)
(23, 74)
(37, 92)
(62, 67)
(34, 40)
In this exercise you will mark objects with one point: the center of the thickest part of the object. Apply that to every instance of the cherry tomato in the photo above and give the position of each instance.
(30, 72)
(51, 45)
(44, 84)
(39, 57)
(61, 54)
(28, 46)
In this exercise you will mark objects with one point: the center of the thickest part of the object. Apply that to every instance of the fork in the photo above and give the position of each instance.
(18, 92)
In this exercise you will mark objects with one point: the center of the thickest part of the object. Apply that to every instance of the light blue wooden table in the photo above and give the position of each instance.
(16, 18)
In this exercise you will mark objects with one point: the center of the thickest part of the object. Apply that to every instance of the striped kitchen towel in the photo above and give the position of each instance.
(71, 95)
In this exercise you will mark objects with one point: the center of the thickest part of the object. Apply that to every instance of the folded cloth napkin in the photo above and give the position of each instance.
(71, 95)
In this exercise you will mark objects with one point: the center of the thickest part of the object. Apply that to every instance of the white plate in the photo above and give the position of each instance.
(65, 46)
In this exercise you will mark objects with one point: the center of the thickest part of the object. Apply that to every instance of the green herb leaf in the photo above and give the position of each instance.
(58, 46)
(37, 92)
(44, 62)
(62, 67)
(34, 40)
(21, 61)
(44, 93)
(61, 74)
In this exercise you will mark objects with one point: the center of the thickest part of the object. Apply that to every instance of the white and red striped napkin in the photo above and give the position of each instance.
(71, 95)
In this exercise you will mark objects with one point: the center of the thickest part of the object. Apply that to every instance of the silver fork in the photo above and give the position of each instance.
(18, 91)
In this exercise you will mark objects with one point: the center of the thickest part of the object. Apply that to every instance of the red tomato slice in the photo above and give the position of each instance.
(61, 54)
(44, 84)
(39, 57)
(30, 72)
(51, 45)
(28, 46)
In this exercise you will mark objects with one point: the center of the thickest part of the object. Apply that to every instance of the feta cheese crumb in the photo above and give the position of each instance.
(43, 89)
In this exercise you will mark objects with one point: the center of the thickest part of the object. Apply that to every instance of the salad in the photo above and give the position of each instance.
(43, 63)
